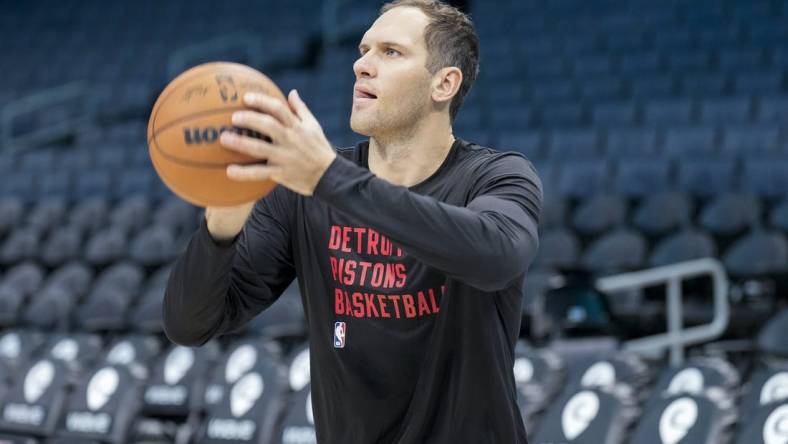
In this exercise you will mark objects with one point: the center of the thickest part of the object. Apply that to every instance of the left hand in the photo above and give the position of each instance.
(298, 153)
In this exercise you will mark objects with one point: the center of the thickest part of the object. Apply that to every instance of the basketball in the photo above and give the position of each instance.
(184, 128)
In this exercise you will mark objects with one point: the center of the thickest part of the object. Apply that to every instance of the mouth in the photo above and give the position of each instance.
(363, 93)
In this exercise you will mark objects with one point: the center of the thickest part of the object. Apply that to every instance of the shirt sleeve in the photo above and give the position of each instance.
(486, 244)
(216, 287)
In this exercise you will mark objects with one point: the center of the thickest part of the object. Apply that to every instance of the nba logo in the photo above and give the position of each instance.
(339, 334)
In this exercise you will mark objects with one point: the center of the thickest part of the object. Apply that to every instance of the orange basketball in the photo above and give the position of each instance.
(184, 128)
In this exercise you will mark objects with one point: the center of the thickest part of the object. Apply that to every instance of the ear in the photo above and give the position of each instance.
(445, 84)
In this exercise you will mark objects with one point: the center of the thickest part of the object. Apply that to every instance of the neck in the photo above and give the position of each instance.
(411, 156)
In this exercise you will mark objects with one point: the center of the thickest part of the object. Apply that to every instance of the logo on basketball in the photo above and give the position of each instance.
(339, 334)
(196, 136)
(227, 88)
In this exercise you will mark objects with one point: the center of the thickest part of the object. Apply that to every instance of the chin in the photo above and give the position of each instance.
(360, 127)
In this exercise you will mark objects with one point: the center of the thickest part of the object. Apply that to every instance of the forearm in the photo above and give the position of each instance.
(194, 302)
(486, 244)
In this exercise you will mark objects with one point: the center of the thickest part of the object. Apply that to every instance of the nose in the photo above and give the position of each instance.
(363, 66)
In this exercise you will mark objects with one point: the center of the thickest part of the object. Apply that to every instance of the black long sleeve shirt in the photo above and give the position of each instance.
(412, 295)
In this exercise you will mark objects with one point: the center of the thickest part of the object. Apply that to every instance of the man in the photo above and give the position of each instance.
(410, 249)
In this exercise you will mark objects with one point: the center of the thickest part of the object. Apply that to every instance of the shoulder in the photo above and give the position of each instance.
(487, 162)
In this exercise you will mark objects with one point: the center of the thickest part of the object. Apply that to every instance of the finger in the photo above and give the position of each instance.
(250, 146)
(248, 173)
(262, 123)
(271, 106)
(302, 111)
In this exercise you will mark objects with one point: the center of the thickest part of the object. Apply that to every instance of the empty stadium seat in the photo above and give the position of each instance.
(539, 376)
(597, 215)
(758, 253)
(730, 214)
(558, 248)
(617, 251)
(687, 244)
(660, 214)
(765, 177)
(706, 177)
(584, 177)
(639, 177)
(690, 142)
(765, 425)
(632, 142)
(704, 418)
(599, 414)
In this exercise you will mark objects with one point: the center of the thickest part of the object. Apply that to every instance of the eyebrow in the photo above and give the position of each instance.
(398, 45)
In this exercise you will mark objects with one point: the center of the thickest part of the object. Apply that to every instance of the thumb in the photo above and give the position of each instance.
(299, 106)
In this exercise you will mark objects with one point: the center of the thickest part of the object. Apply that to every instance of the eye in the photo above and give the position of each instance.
(391, 50)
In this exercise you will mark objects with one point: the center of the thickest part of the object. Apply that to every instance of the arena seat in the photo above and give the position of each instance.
(705, 417)
(539, 376)
(34, 408)
(638, 177)
(177, 380)
(618, 251)
(558, 248)
(765, 425)
(706, 177)
(102, 406)
(730, 214)
(756, 254)
(660, 214)
(599, 214)
(599, 414)
(687, 244)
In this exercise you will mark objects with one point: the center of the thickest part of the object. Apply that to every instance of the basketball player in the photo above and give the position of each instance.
(410, 248)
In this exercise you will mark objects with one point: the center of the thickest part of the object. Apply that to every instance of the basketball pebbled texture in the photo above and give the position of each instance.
(184, 128)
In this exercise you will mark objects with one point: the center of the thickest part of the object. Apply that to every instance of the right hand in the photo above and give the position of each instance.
(224, 223)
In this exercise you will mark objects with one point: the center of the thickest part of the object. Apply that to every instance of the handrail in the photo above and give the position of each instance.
(43, 100)
(676, 337)
(183, 58)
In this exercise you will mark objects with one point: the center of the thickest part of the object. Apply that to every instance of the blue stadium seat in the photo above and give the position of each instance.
(561, 115)
(766, 177)
(591, 65)
(660, 214)
(632, 142)
(733, 58)
(558, 249)
(768, 82)
(601, 88)
(690, 142)
(706, 177)
(583, 178)
(613, 114)
(618, 251)
(726, 111)
(668, 112)
(639, 63)
(730, 214)
(705, 84)
(526, 142)
(685, 59)
(642, 176)
(652, 86)
(685, 245)
(749, 141)
(597, 215)
(547, 91)
(773, 109)
(509, 117)
(758, 253)
(573, 145)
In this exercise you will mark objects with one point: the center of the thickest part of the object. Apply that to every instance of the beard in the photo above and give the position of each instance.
(382, 116)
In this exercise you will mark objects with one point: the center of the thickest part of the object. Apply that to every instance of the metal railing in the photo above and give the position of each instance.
(81, 109)
(250, 43)
(676, 337)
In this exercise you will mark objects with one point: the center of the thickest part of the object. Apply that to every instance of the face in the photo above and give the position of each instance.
(391, 74)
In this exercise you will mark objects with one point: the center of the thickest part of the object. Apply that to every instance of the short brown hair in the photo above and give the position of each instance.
(451, 41)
